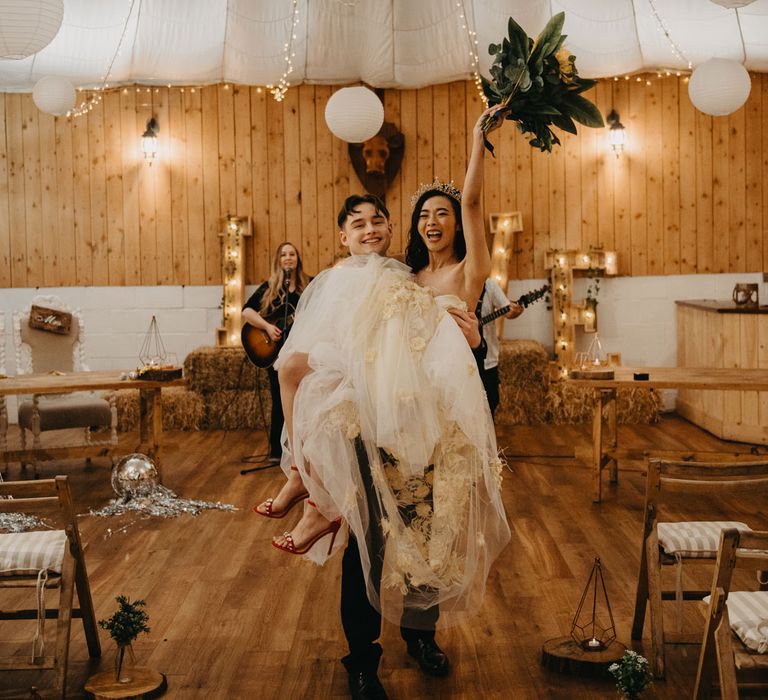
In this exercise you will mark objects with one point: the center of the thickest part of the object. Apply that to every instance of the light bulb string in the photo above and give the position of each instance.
(473, 48)
(87, 105)
(278, 91)
(676, 50)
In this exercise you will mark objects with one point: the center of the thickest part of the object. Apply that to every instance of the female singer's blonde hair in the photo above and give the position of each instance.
(275, 293)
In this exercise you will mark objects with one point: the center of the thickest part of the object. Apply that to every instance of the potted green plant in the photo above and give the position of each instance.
(127, 623)
(633, 675)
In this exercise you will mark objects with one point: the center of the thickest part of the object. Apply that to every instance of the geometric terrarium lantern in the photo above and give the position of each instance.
(593, 628)
(596, 356)
(591, 647)
(156, 362)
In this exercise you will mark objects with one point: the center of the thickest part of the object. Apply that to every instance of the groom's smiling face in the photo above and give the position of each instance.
(366, 230)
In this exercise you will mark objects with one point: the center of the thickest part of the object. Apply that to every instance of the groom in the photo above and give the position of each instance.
(364, 228)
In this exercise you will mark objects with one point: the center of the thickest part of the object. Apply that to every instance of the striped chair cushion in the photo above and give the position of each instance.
(748, 613)
(31, 552)
(694, 539)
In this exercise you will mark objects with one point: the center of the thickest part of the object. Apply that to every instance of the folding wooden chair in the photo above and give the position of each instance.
(736, 633)
(685, 543)
(40, 560)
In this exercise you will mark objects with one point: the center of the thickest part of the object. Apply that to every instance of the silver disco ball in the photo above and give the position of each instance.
(134, 476)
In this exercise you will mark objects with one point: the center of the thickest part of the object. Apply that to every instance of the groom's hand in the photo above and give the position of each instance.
(467, 322)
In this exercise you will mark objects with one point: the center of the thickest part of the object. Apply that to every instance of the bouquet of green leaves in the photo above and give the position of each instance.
(128, 621)
(538, 86)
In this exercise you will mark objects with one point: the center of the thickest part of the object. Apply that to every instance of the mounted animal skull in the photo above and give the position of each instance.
(375, 154)
(377, 161)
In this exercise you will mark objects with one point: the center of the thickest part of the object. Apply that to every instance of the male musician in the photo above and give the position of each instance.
(493, 298)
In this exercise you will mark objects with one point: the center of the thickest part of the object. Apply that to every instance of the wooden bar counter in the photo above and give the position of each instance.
(720, 334)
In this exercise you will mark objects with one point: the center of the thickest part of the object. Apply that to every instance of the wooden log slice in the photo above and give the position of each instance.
(564, 655)
(144, 683)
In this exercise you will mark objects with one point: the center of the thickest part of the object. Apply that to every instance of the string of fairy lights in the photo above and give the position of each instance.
(474, 56)
(647, 78)
(674, 47)
(91, 100)
(662, 27)
(278, 91)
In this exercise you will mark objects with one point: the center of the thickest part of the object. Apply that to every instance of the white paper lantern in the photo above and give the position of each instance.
(354, 114)
(27, 26)
(719, 86)
(54, 95)
(732, 4)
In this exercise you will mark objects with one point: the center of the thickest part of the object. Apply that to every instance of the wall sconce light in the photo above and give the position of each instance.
(149, 140)
(617, 135)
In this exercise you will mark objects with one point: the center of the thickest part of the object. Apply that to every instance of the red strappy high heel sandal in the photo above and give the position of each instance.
(290, 547)
(269, 512)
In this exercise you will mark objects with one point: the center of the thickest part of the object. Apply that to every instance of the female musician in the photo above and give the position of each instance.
(270, 308)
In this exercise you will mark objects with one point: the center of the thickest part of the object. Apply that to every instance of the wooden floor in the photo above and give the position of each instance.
(232, 617)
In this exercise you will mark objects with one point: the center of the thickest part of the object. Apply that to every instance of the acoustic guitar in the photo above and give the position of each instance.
(525, 301)
(258, 346)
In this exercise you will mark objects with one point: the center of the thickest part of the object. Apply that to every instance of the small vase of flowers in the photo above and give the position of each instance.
(632, 674)
(127, 623)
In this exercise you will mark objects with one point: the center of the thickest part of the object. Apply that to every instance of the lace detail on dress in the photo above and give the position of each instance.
(392, 427)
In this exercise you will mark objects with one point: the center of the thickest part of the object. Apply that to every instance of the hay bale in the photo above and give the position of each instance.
(237, 410)
(638, 405)
(182, 409)
(523, 381)
(528, 395)
(216, 368)
(568, 403)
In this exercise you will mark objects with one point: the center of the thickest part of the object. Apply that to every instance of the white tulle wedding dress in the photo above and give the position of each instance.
(393, 434)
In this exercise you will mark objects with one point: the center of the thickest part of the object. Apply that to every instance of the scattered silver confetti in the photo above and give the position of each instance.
(20, 522)
(160, 502)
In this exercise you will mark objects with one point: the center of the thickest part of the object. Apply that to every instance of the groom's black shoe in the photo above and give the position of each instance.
(365, 685)
(432, 659)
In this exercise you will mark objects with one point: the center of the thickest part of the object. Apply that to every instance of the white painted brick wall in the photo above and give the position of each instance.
(636, 316)
(117, 318)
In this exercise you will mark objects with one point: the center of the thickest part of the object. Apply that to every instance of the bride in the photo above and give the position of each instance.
(389, 427)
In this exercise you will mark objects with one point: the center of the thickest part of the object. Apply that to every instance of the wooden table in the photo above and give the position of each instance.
(605, 451)
(150, 421)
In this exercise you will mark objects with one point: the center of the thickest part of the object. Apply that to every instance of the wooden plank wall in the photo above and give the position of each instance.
(78, 206)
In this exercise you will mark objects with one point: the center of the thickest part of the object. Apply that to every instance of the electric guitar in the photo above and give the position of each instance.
(525, 301)
(258, 346)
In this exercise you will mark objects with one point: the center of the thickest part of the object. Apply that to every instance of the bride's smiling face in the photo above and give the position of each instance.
(437, 223)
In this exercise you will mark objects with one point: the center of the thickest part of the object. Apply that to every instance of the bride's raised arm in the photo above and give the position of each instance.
(477, 264)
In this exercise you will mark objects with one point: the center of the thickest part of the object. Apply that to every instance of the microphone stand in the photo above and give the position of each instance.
(287, 290)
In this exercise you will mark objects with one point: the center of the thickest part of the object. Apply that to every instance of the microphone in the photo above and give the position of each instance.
(287, 272)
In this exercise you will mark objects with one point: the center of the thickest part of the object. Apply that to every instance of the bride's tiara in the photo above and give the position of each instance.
(446, 188)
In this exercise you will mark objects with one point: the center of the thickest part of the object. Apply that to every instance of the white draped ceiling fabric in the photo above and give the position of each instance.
(397, 43)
